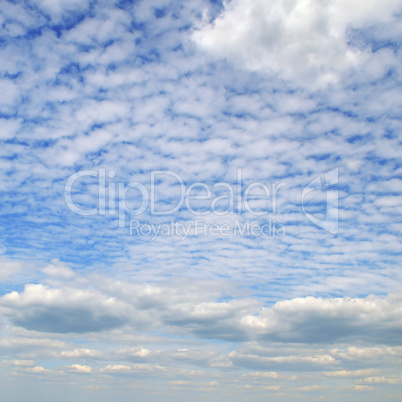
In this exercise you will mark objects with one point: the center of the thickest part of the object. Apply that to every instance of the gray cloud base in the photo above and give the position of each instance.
(300, 320)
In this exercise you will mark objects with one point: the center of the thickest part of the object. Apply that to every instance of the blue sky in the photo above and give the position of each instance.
(265, 99)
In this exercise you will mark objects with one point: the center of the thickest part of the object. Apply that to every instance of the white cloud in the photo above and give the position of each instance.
(9, 268)
(179, 382)
(79, 368)
(142, 352)
(376, 353)
(23, 362)
(63, 310)
(8, 128)
(300, 39)
(116, 368)
(359, 388)
(313, 319)
(266, 374)
(59, 271)
(24, 344)
(350, 373)
(380, 380)
(308, 388)
(56, 8)
(36, 370)
(288, 361)
(82, 352)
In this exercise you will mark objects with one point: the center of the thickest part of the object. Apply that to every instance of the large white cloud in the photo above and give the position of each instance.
(301, 39)
(318, 320)
(63, 310)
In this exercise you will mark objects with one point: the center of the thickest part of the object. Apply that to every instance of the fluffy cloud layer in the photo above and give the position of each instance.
(302, 320)
(302, 40)
(124, 90)
(303, 345)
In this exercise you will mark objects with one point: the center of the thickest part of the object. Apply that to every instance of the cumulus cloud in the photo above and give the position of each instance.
(305, 320)
(63, 310)
(79, 368)
(300, 39)
(211, 320)
(36, 370)
(312, 320)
